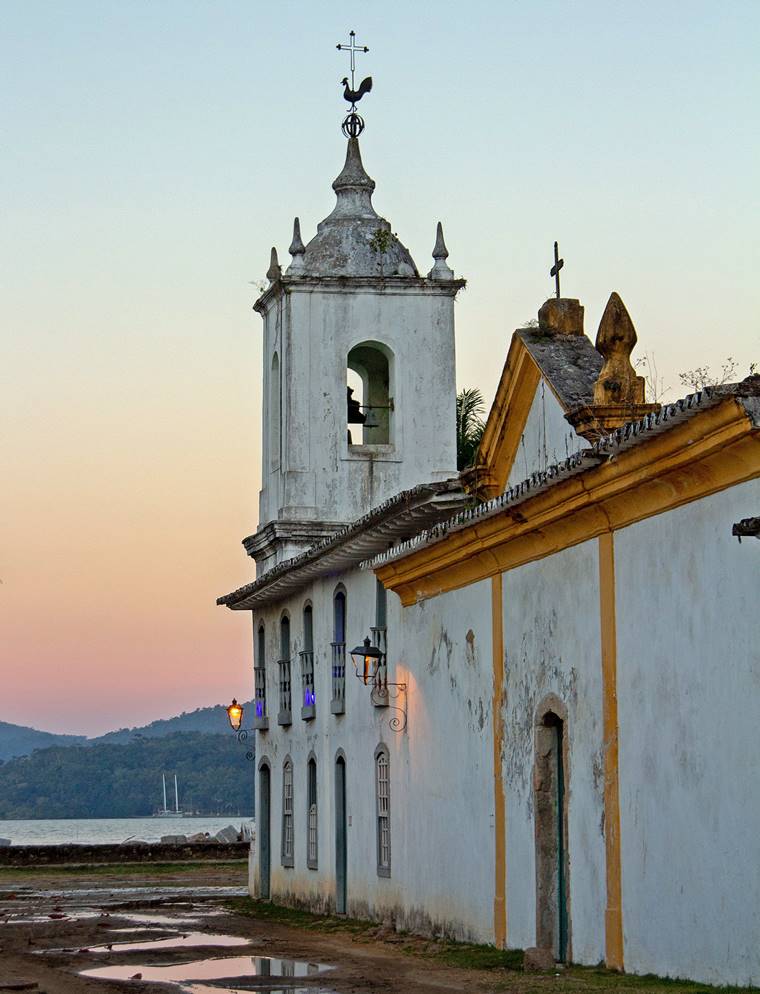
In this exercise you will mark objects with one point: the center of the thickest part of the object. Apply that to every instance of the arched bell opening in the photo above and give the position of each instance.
(370, 401)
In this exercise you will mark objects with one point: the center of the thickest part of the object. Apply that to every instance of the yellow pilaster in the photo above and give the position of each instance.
(500, 836)
(613, 918)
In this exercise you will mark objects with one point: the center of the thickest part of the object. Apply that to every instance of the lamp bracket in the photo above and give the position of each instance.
(382, 695)
(242, 737)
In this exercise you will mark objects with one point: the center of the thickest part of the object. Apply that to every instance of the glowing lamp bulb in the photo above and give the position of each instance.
(235, 714)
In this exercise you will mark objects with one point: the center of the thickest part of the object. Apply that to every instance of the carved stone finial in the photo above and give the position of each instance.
(440, 271)
(619, 395)
(617, 382)
(297, 249)
(274, 272)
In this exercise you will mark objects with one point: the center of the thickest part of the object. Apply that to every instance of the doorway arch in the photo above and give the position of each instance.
(550, 804)
(341, 836)
(264, 829)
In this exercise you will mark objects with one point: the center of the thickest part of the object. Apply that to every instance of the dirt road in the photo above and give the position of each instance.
(197, 937)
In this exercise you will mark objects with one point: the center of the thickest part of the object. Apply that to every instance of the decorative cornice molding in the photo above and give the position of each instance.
(694, 448)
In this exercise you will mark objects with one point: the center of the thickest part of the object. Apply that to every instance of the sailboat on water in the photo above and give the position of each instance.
(166, 812)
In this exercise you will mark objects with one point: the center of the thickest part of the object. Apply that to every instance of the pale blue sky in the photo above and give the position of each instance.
(151, 152)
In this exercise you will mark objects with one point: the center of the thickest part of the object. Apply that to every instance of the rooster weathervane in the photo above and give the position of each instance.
(353, 124)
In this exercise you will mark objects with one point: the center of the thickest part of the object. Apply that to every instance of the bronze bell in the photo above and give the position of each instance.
(355, 416)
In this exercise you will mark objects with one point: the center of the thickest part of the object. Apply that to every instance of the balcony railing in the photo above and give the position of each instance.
(338, 703)
(308, 698)
(380, 689)
(284, 716)
(260, 717)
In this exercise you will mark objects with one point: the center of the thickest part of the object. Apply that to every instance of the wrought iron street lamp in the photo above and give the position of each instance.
(235, 715)
(366, 659)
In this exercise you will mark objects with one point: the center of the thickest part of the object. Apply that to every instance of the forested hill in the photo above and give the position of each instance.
(212, 720)
(18, 740)
(109, 780)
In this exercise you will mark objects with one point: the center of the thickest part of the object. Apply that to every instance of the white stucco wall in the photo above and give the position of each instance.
(552, 646)
(688, 695)
(546, 439)
(440, 767)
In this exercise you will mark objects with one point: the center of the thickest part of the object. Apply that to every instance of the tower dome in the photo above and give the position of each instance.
(354, 240)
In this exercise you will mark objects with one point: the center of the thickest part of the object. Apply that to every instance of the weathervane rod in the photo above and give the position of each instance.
(353, 124)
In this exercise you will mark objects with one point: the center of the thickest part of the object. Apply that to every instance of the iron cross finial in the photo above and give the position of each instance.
(558, 264)
(353, 48)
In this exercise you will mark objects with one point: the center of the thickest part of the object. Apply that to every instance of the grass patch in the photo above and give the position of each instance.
(595, 978)
(280, 915)
(471, 956)
(116, 869)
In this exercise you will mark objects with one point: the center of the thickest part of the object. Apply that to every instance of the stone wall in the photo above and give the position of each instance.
(131, 852)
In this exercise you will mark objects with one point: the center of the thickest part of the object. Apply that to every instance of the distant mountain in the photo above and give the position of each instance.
(108, 780)
(18, 740)
(211, 720)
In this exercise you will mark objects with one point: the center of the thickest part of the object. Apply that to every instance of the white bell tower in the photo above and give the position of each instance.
(351, 309)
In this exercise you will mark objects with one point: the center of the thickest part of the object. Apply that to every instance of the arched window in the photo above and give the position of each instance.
(338, 703)
(311, 812)
(283, 664)
(275, 414)
(383, 807)
(371, 362)
(287, 812)
(308, 702)
(260, 677)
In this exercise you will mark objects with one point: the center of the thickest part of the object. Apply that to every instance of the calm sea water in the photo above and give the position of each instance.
(41, 832)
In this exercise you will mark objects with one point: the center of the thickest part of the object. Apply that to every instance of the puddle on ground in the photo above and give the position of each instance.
(181, 918)
(204, 989)
(147, 892)
(188, 940)
(234, 968)
(185, 940)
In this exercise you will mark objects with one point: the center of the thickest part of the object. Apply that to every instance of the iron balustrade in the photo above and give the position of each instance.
(260, 717)
(284, 717)
(308, 698)
(338, 703)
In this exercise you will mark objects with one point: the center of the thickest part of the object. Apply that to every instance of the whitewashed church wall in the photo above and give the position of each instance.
(441, 767)
(546, 439)
(445, 782)
(552, 646)
(688, 668)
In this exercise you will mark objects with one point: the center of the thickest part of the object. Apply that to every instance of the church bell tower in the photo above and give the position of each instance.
(359, 390)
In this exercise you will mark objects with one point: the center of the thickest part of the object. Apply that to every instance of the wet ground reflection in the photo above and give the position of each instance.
(233, 968)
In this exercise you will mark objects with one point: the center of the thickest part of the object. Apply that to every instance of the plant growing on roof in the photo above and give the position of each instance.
(380, 241)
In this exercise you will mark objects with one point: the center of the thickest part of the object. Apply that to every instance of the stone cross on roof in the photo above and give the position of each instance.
(558, 264)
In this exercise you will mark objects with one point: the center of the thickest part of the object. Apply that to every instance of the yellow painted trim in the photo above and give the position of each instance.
(500, 827)
(710, 451)
(506, 419)
(613, 915)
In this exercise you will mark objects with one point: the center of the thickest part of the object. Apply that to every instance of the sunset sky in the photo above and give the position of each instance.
(152, 152)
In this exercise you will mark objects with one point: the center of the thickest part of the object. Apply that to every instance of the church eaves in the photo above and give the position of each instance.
(607, 450)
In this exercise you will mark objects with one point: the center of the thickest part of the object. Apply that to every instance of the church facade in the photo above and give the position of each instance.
(547, 739)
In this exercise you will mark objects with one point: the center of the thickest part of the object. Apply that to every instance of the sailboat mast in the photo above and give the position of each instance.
(176, 795)
(164, 778)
